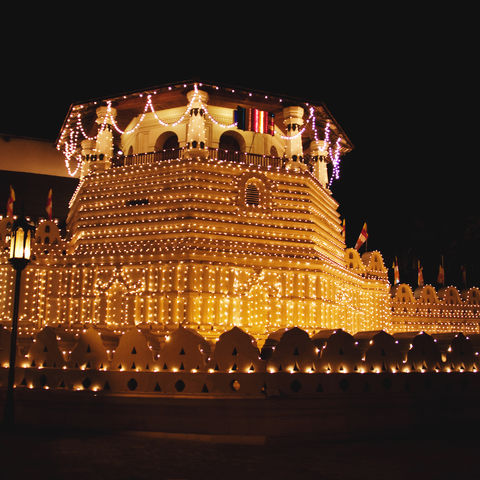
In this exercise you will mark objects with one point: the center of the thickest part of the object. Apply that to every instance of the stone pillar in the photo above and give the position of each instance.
(318, 152)
(196, 132)
(293, 121)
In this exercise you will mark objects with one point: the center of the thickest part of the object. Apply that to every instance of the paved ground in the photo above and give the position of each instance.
(41, 454)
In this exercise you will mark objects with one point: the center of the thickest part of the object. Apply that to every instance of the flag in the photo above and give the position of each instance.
(362, 237)
(48, 207)
(420, 275)
(441, 275)
(396, 273)
(10, 201)
(343, 229)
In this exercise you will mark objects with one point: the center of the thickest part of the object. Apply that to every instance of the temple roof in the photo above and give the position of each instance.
(130, 104)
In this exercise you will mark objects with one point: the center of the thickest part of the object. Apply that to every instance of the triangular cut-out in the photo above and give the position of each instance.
(106, 386)
(45, 349)
(295, 352)
(279, 368)
(44, 364)
(88, 348)
(24, 382)
(165, 366)
(133, 367)
(147, 367)
(252, 368)
(204, 388)
(33, 363)
(295, 368)
(182, 352)
(62, 384)
(134, 351)
(234, 351)
(157, 388)
(182, 367)
(120, 366)
(216, 367)
(234, 366)
(88, 365)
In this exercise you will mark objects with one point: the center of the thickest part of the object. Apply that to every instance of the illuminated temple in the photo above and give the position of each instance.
(208, 207)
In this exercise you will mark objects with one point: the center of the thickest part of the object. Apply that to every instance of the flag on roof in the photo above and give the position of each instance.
(10, 201)
(48, 207)
(441, 275)
(420, 275)
(396, 273)
(362, 238)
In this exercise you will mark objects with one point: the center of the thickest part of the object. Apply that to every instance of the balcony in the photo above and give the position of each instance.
(213, 153)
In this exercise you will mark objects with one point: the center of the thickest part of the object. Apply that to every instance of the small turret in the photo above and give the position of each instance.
(97, 154)
(319, 155)
(293, 121)
(196, 134)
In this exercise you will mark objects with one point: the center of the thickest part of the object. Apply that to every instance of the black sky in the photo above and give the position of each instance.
(402, 84)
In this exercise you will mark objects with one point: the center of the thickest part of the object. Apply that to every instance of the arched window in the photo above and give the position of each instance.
(171, 143)
(167, 143)
(229, 148)
(273, 152)
(252, 195)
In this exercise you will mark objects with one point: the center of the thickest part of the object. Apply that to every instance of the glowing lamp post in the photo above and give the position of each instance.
(20, 241)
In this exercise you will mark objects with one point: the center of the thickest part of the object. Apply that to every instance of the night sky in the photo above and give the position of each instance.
(401, 86)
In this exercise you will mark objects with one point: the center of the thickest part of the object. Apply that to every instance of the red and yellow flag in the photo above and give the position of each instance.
(362, 237)
(11, 200)
(420, 275)
(441, 275)
(396, 273)
(48, 207)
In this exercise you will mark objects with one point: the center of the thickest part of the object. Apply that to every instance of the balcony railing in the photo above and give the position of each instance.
(213, 153)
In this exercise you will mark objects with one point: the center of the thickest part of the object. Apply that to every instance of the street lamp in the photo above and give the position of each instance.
(20, 250)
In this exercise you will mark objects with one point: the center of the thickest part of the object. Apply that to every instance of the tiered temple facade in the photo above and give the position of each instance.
(207, 207)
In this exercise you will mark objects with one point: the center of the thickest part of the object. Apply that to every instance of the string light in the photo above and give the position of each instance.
(71, 146)
(175, 242)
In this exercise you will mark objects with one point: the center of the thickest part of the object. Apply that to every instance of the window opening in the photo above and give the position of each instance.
(252, 195)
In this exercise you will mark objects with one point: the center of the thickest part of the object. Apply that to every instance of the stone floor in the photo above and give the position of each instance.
(56, 454)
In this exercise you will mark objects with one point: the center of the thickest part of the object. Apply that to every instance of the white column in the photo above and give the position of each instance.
(318, 152)
(293, 121)
(104, 143)
(196, 132)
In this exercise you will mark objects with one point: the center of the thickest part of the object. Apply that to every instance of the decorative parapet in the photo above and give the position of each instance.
(445, 310)
(285, 351)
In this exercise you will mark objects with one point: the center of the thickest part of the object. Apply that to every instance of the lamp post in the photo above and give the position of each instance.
(21, 236)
